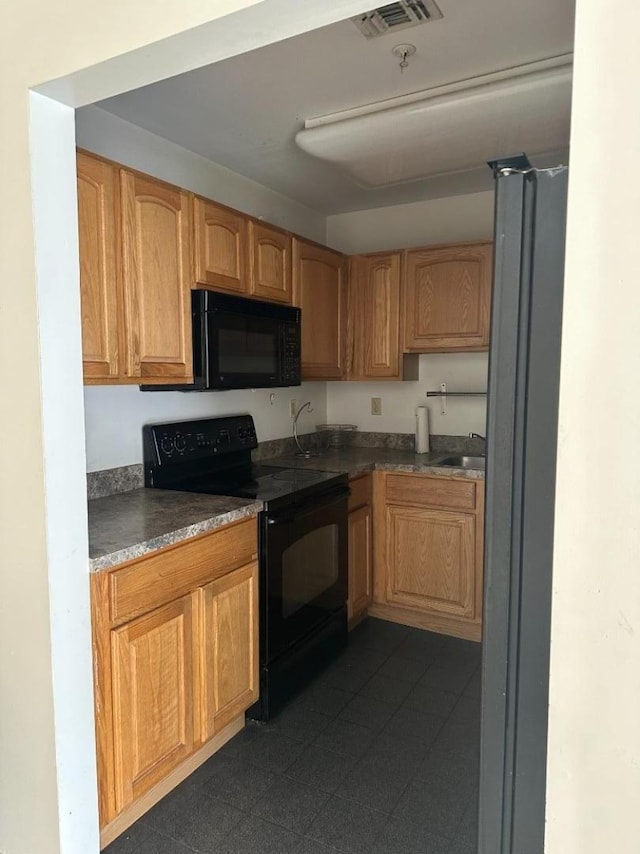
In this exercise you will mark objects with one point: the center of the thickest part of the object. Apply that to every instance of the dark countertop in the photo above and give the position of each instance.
(360, 460)
(128, 525)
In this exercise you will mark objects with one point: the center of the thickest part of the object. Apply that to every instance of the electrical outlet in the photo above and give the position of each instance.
(376, 406)
(293, 405)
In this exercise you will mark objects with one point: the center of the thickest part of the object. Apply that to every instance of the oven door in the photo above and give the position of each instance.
(304, 570)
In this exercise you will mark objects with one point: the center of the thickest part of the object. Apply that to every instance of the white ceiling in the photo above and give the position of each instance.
(244, 112)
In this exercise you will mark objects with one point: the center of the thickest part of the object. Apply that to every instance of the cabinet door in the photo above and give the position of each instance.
(270, 253)
(447, 298)
(220, 250)
(360, 562)
(430, 561)
(153, 709)
(229, 644)
(319, 289)
(374, 308)
(97, 187)
(156, 278)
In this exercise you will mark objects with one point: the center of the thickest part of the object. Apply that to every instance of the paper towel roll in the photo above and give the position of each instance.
(422, 430)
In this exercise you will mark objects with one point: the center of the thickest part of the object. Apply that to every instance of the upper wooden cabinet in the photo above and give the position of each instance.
(99, 294)
(319, 288)
(270, 262)
(135, 262)
(220, 247)
(447, 298)
(156, 254)
(374, 320)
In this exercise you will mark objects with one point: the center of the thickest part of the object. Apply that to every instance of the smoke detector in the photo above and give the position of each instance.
(396, 16)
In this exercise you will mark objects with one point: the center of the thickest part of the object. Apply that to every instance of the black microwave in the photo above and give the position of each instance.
(241, 343)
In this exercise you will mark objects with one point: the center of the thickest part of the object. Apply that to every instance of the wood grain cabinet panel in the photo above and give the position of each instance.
(152, 664)
(229, 648)
(270, 261)
(220, 247)
(374, 317)
(175, 649)
(440, 492)
(97, 200)
(431, 560)
(161, 577)
(447, 298)
(360, 563)
(428, 552)
(319, 288)
(156, 278)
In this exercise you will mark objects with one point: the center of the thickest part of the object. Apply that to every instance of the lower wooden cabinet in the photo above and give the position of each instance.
(360, 549)
(175, 665)
(229, 654)
(153, 697)
(429, 552)
(360, 563)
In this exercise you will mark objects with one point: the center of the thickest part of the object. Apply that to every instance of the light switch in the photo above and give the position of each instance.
(376, 406)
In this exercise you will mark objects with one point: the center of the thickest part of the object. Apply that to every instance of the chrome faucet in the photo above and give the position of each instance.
(301, 450)
(484, 439)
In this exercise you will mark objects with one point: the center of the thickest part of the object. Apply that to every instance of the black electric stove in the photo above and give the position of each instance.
(273, 485)
(302, 542)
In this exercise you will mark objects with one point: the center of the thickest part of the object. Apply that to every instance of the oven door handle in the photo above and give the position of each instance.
(310, 507)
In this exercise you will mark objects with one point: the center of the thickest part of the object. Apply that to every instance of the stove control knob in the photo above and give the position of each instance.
(167, 445)
(180, 443)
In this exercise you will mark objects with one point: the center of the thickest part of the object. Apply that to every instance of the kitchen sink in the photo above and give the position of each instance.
(464, 462)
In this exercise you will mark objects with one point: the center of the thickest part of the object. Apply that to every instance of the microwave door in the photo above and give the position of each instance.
(243, 350)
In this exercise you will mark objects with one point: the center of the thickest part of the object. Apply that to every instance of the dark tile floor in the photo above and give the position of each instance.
(378, 756)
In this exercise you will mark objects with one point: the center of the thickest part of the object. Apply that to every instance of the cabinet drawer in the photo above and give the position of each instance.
(162, 577)
(360, 491)
(424, 490)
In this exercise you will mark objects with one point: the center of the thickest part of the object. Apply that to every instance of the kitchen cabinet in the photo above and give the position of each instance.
(360, 549)
(270, 262)
(229, 668)
(156, 262)
(374, 319)
(99, 295)
(319, 289)
(447, 296)
(135, 261)
(153, 697)
(428, 550)
(220, 247)
(175, 650)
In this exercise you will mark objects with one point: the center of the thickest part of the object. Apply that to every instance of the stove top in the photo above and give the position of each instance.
(268, 484)
(213, 456)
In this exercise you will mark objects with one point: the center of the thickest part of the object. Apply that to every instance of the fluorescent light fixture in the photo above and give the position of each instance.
(448, 129)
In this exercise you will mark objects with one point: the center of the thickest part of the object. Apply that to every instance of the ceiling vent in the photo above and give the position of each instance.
(396, 16)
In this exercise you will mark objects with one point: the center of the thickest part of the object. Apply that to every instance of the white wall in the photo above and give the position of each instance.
(449, 220)
(593, 776)
(351, 402)
(114, 415)
(113, 137)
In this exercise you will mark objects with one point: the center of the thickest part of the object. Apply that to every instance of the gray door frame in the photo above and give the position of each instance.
(524, 371)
